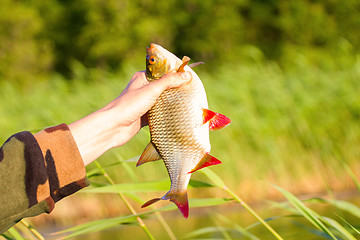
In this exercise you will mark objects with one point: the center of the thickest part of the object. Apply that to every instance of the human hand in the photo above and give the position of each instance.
(137, 98)
(116, 123)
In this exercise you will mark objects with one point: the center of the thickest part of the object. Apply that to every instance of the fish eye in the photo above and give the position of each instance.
(152, 60)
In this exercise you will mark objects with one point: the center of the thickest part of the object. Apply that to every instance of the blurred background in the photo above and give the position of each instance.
(286, 72)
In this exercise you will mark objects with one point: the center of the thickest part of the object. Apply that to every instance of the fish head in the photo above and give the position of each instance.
(160, 61)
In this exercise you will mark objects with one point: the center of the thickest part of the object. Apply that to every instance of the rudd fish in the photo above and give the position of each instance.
(179, 124)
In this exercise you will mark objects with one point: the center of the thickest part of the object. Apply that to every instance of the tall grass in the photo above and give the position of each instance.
(295, 126)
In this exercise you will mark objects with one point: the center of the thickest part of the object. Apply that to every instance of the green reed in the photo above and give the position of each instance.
(220, 184)
(325, 225)
(290, 123)
(127, 203)
(23, 230)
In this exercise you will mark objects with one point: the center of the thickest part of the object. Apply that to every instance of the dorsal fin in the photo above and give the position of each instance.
(195, 64)
(185, 61)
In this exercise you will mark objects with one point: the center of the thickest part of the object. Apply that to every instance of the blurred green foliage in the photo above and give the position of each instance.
(286, 73)
(42, 37)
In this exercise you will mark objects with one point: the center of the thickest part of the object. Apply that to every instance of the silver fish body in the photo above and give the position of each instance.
(179, 124)
(178, 133)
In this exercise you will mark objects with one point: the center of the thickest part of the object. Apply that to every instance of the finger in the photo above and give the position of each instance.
(172, 80)
(138, 80)
(138, 98)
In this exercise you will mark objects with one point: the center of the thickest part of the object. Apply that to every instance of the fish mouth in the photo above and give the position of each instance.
(153, 47)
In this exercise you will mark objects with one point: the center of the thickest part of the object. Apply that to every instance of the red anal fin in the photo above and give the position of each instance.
(150, 154)
(206, 161)
(185, 61)
(216, 120)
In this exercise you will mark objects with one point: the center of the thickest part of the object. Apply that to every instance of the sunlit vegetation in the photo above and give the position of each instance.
(286, 73)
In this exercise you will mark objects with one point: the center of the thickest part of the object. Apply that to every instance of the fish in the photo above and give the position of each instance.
(179, 124)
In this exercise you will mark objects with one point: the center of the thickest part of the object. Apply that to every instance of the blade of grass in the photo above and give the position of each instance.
(132, 174)
(207, 202)
(345, 233)
(267, 220)
(237, 227)
(125, 165)
(310, 215)
(219, 183)
(205, 230)
(128, 205)
(154, 186)
(194, 203)
(97, 226)
(347, 223)
(32, 230)
(5, 236)
(102, 224)
(352, 175)
(344, 206)
(282, 205)
(224, 231)
(15, 234)
(220, 229)
(311, 229)
(340, 204)
(132, 187)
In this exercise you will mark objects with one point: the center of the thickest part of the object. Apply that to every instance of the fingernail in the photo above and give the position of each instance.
(186, 75)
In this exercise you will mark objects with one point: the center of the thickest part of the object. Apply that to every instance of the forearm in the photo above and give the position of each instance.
(94, 134)
(117, 122)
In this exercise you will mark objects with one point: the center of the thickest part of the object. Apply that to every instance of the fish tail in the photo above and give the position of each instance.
(180, 199)
(148, 203)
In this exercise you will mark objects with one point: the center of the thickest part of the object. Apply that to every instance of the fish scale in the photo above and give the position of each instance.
(168, 132)
(179, 124)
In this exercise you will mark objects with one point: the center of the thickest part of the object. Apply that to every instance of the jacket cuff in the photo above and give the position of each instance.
(66, 170)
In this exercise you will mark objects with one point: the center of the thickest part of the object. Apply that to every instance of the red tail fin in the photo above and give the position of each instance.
(180, 199)
(150, 202)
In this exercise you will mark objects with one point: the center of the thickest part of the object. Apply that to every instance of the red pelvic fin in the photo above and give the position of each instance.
(206, 161)
(216, 120)
(150, 154)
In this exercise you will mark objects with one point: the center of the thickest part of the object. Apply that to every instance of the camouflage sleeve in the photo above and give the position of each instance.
(36, 171)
